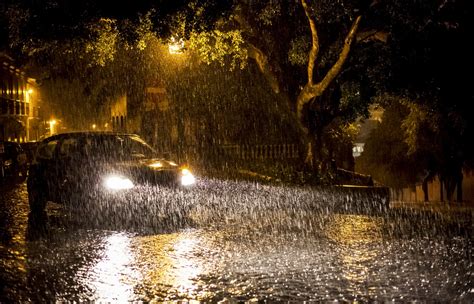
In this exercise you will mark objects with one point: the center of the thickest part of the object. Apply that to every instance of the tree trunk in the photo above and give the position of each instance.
(441, 188)
(459, 187)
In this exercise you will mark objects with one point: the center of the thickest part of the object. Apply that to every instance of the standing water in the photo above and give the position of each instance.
(239, 242)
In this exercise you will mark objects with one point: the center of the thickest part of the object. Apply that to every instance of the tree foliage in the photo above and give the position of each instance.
(300, 48)
(323, 59)
(387, 154)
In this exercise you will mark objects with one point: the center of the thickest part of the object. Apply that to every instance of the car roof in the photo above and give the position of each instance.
(88, 134)
(7, 142)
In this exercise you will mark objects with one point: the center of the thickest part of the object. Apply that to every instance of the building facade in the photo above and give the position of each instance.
(20, 113)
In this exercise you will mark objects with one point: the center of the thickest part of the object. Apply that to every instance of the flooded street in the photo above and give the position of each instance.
(241, 242)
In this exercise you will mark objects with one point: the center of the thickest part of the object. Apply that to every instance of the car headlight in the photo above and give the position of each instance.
(187, 178)
(117, 182)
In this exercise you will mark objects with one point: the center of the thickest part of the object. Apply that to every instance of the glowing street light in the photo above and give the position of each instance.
(52, 123)
(176, 46)
(94, 126)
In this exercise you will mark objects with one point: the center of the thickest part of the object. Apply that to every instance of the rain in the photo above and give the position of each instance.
(235, 152)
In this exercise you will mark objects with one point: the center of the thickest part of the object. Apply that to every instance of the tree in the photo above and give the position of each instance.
(386, 154)
(432, 59)
(300, 48)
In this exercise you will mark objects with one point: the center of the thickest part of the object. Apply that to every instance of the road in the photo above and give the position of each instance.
(241, 242)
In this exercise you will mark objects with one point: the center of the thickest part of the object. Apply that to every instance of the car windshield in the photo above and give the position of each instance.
(117, 147)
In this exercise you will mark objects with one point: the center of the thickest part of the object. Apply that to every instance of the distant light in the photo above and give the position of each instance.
(52, 123)
(176, 46)
(29, 91)
(156, 165)
(357, 149)
(94, 126)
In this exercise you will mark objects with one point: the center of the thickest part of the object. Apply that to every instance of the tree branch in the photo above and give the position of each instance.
(258, 55)
(372, 35)
(311, 91)
(262, 62)
(313, 53)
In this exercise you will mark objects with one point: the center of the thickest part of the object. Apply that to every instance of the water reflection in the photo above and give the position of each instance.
(185, 270)
(358, 238)
(112, 277)
(290, 254)
(144, 268)
(13, 255)
(168, 263)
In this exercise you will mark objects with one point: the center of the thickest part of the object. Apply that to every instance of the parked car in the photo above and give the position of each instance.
(85, 167)
(30, 150)
(13, 160)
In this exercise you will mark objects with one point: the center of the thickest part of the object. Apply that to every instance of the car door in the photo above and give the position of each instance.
(69, 165)
(43, 171)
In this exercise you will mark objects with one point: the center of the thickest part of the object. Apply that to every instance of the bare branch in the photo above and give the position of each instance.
(372, 35)
(262, 61)
(311, 91)
(336, 68)
(244, 25)
(313, 53)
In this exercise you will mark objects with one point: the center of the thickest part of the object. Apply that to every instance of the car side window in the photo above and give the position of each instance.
(68, 147)
(46, 150)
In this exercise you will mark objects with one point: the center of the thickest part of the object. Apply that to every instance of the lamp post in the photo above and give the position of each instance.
(177, 47)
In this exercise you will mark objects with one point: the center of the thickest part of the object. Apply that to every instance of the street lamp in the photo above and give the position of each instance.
(176, 46)
(52, 123)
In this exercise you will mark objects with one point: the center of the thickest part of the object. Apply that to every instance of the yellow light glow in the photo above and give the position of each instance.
(52, 123)
(185, 171)
(112, 278)
(29, 91)
(94, 126)
(185, 270)
(156, 165)
(188, 178)
(176, 46)
(356, 233)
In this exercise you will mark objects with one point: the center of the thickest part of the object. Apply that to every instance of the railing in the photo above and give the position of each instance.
(435, 189)
(282, 151)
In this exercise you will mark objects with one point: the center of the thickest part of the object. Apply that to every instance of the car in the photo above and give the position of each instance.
(29, 148)
(88, 168)
(13, 160)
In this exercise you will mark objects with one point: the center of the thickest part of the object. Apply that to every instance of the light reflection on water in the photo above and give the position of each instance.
(293, 254)
(358, 236)
(350, 261)
(184, 269)
(284, 255)
(168, 265)
(130, 267)
(112, 278)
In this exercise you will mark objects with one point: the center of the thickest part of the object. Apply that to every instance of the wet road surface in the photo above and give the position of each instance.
(241, 242)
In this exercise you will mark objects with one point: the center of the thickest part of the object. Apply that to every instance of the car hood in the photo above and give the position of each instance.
(155, 164)
(141, 171)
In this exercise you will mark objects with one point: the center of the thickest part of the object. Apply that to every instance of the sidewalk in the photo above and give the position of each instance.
(439, 207)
